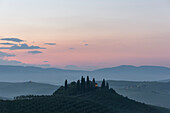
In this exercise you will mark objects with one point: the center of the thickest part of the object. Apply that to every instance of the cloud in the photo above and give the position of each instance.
(45, 61)
(12, 39)
(71, 48)
(50, 43)
(86, 44)
(3, 54)
(34, 52)
(37, 65)
(7, 44)
(22, 46)
(18, 63)
(10, 62)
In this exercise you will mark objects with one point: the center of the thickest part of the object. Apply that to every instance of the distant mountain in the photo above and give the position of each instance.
(133, 73)
(84, 97)
(29, 73)
(57, 76)
(167, 80)
(10, 90)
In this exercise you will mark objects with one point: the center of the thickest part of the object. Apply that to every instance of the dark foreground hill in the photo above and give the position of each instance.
(78, 97)
(153, 93)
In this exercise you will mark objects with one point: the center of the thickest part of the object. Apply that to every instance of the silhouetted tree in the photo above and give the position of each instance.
(66, 84)
(88, 83)
(78, 85)
(93, 83)
(82, 83)
(107, 85)
(81, 79)
(103, 84)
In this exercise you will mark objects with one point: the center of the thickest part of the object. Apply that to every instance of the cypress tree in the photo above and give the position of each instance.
(88, 83)
(66, 84)
(82, 83)
(93, 83)
(78, 85)
(103, 84)
(81, 79)
(107, 85)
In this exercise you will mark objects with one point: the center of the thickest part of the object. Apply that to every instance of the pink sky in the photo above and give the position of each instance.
(117, 33)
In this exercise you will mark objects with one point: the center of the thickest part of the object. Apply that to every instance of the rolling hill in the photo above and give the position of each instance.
(10, 90)
(78, 97)
(56, 76)
(167, 80)
(139, 91)
(154, 93)
(4, 98)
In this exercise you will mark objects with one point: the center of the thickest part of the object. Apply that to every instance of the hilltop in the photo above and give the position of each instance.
(153, 93)
(79, 97)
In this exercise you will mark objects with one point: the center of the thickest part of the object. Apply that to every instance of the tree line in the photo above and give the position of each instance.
(87, 85)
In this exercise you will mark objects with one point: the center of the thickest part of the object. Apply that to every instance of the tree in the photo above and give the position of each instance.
(93, 83)
(66, 84)
(82, 83)
(88, 83)
(103, 84)
(78, 85)
(107, 85)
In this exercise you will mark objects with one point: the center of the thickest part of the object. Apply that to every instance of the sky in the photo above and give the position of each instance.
(84, 34)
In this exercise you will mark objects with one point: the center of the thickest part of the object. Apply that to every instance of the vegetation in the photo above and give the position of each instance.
(83, 96)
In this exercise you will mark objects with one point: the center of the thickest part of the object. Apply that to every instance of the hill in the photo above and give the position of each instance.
(56, 76)
(10, 90)
(4, 98)
(133, 73)
(154, 93)
(78, 97)
(167, 80)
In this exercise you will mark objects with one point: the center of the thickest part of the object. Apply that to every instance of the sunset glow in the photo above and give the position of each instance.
(88, 36)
